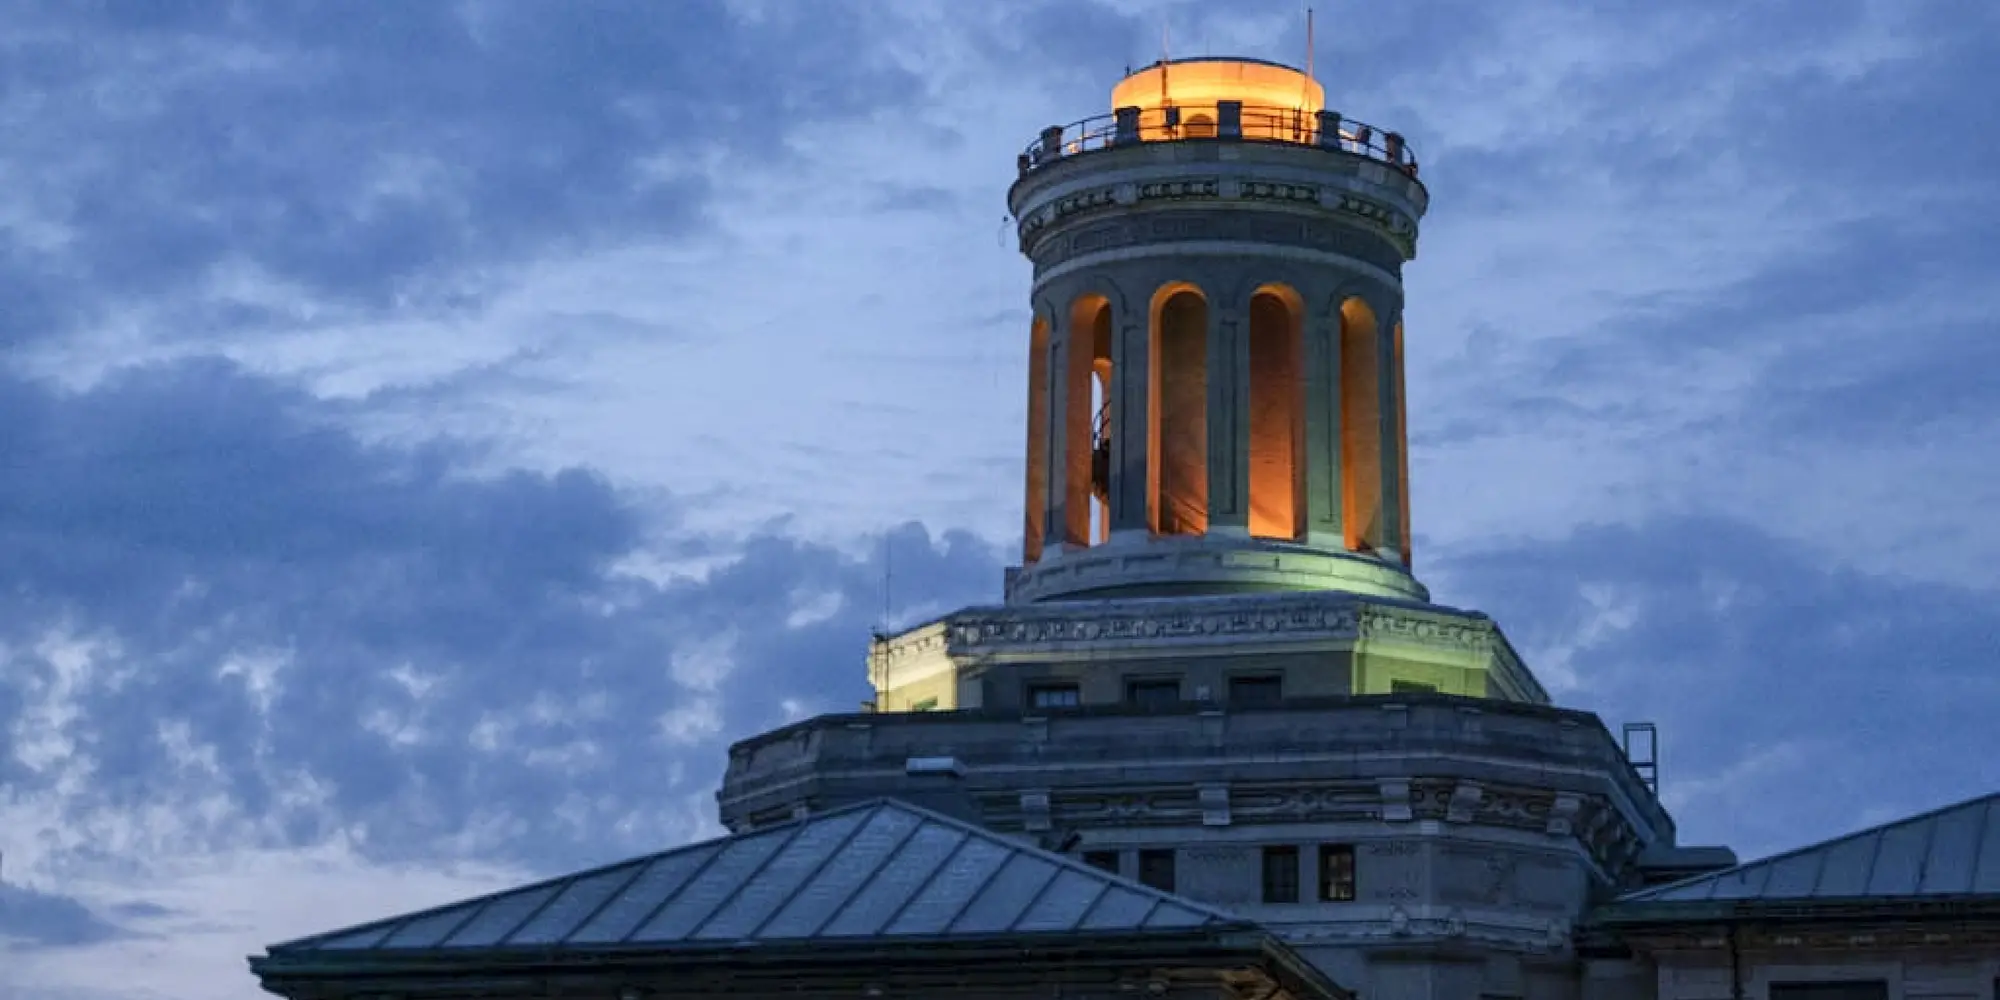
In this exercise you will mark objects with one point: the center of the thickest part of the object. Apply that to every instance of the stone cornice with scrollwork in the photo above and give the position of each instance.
(1323, 615)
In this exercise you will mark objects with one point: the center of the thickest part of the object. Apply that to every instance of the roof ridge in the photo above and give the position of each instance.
(375, 935)
(1060, 860)
(1654, 892)
(562, 881)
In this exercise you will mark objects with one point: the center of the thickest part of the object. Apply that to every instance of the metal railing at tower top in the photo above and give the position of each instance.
(1225, 121)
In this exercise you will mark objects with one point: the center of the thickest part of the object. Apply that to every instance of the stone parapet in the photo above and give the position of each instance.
(1435, 759)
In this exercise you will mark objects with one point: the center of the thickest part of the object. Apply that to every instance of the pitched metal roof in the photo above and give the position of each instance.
(1952, 852)
(876, 871)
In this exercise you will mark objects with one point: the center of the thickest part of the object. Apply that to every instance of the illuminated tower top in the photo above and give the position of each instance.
(1216, 376)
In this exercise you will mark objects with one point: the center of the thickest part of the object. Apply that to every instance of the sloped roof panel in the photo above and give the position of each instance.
(882, 869)
(1954, 851)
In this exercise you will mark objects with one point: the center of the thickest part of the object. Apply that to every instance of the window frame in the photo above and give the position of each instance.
(1330, 890)
(1149, 856)
(1157, 684)
(1239, 681)
(1280, 857)
(1036, 690)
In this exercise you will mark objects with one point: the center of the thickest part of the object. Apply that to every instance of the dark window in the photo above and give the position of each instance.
(1054, 696)
(1412, 687)
(1336, 872)
(1866, 990)
(1156, 868)
(1153, 693)
(1256, 690)
(1281, 874)
(1102, 860)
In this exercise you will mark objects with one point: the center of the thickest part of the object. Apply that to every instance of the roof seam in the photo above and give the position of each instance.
(1055, 875)
(817, 869)
(693, 933)
(980, 890)
(1819, 870)
(1979, 845)
(533, 912)
(1104, 892)
(1924, 857)
(473, 909)
(715, 853)
(880, 864)
(639, 869)
(1874, 859)
(964, 837)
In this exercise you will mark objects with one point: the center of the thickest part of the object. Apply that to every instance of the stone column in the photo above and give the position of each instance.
(1390, 393)
(1323, 487)
(1059, 416)
(1228, 420)
(1131, 426)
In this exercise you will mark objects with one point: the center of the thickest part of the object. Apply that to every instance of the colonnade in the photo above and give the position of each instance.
(1255, 418)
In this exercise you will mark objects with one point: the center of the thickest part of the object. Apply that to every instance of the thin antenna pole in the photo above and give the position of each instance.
(1305, 87)
(1164, 59)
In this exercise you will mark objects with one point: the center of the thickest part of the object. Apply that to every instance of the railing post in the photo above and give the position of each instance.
(1052, 143)
(1329, 129)
(1229, 119)
(1127, 130)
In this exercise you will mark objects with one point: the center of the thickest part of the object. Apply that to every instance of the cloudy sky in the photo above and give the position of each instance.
(431, 432)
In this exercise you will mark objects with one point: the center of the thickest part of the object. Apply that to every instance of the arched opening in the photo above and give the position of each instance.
(1277, 414)
(1360, 427)
(1089, 327)
(1402, 390)
(1100, 427)
(1200, 127)
(1035, 507)
(1178, 438)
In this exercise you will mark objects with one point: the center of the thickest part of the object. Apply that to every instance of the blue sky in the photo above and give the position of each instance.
(432, 432)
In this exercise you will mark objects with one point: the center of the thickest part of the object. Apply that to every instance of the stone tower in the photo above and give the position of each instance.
(1216, 384)
(1214, 669)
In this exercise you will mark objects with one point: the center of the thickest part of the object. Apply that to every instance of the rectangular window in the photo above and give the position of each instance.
(1153, 693)
(1156, 868)
(1281, 874)
(1412, 687)
(1336, 873)
(1861, 990)
(926, 705)
(1054, 696)
(1266, 690)
(1106, 861)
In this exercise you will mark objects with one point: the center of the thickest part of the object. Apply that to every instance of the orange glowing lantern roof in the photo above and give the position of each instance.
(1203, 81)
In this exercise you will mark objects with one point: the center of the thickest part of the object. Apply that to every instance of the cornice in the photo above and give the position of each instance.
(1321, 616)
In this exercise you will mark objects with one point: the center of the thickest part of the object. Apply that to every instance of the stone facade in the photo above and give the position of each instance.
(1312, 643)
(1468, 836)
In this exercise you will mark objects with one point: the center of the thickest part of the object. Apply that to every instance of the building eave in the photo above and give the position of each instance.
(995, 959)
(1628, 916)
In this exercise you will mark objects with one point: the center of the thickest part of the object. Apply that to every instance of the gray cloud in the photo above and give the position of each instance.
(217, 596)
(31, 918)
(1774, 678)
(380, 155)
